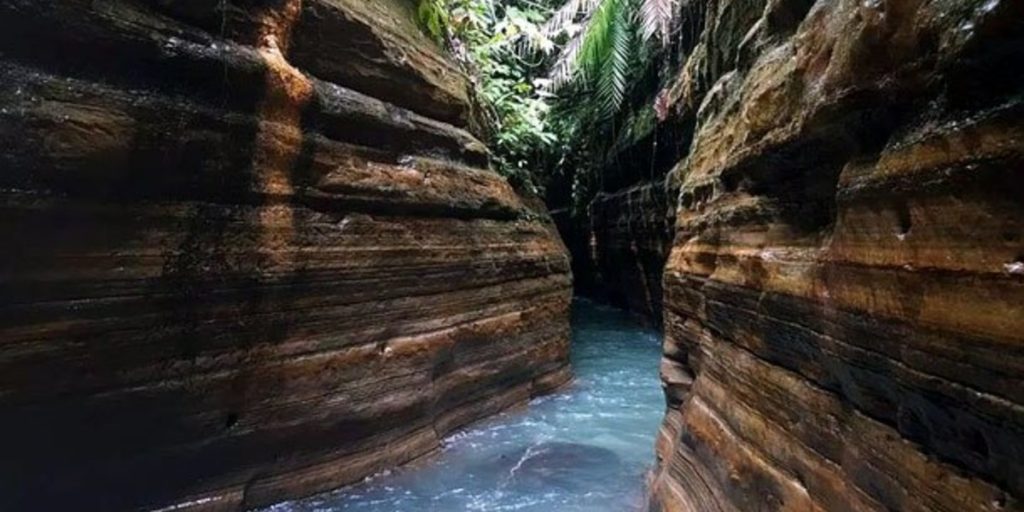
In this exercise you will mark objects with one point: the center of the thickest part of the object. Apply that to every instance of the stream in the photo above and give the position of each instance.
(586, 448)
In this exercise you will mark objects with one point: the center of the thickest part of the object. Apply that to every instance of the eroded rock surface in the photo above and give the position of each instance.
(252, 251)
(844, 304)
(619, 242)
(631, 235)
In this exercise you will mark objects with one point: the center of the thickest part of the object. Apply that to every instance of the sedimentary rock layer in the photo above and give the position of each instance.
(619, 243)
(631, 233)
(251, 251)
(845, 295)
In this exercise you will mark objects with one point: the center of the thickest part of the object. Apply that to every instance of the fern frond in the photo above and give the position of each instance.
(433, 18)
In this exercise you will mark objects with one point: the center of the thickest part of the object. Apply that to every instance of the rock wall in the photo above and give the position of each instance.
(844, 301)
(252, 251)
(631, 232)
(575, 233)
(620, 245)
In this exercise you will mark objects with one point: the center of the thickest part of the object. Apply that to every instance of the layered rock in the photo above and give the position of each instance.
(619, 248)
(631, 234)
(620, 241)
(252, 252)
(844, 305)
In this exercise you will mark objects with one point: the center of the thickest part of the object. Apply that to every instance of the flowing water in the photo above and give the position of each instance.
(584, 449)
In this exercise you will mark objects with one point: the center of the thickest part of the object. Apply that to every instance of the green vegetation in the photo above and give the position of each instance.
(552, 77)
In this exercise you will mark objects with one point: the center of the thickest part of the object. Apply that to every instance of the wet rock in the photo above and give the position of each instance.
(252, 252)
(547, 465)
(842, 329)
(620, 242)
(631, 235)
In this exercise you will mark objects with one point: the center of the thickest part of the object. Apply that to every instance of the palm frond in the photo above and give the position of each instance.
(656, 17)
(603, 58)
(582, 54)
(614, 73)
(563, 70)
(566, 15)
(597, 38)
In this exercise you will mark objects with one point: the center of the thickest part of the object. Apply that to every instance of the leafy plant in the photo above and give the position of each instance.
(606, 51)
(657, 18)
(433, 18)
(552, 77)
(500, 44)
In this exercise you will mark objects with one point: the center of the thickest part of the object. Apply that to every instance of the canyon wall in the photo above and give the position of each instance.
(252, 251)
(620, 240)
(631, 234)
(619, 247)
(844, 300)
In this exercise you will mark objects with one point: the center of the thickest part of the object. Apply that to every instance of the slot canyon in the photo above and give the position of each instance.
(258, 255)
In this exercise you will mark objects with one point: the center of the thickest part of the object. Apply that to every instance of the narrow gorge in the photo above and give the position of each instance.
(286, 255)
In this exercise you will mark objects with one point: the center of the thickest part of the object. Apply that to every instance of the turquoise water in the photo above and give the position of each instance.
(584, 449)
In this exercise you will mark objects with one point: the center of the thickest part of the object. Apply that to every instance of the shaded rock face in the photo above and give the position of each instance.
(630, 237)
(620, 244)
(252, 251)
(844, 300)
(619, 249)
(620, 241)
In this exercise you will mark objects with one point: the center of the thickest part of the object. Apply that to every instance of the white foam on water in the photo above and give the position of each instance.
(584, 449)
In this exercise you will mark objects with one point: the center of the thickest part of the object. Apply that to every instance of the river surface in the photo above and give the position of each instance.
(584, 449)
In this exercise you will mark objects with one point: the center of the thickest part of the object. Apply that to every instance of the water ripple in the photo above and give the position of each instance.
(585, 449)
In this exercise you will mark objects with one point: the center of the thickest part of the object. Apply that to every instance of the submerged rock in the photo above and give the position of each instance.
(545, 466)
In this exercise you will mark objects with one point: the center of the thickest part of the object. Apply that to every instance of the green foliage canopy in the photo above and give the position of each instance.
(550, 75)
(500, 44)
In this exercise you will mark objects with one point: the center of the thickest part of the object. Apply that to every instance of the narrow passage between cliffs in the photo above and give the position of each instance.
(586, 448)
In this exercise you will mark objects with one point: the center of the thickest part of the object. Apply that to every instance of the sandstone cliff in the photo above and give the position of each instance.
(251, 251)
(631, 234)
(845, 295)
(620, 241)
